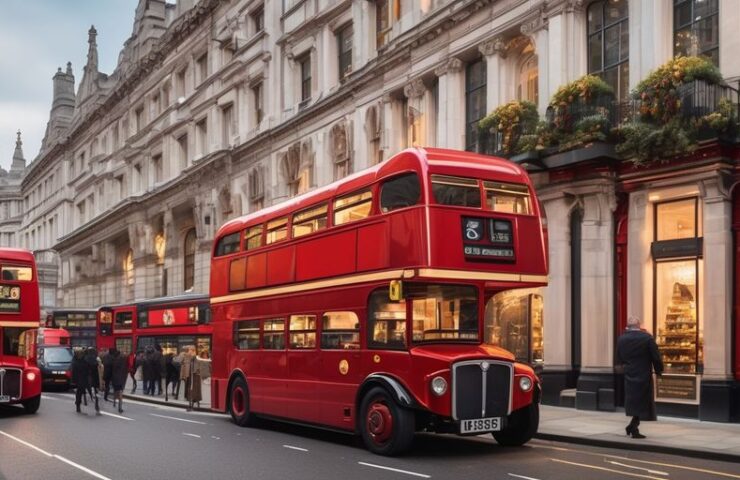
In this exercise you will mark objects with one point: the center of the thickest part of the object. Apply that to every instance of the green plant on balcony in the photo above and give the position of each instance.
(661, 128)
(579, 114)
(515, 124)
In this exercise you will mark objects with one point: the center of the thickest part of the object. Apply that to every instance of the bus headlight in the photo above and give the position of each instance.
(30, 376)
(525, 383)
(439, 386)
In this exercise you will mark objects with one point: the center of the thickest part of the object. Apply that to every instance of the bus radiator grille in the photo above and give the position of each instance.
(11, 383)
(469, 394)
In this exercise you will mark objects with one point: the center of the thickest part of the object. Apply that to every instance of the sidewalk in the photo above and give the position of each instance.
(667, 435)
(205, 404)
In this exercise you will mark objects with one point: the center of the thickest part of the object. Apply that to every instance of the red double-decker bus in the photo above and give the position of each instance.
(20, 381)
(360, 306)
(171, 322)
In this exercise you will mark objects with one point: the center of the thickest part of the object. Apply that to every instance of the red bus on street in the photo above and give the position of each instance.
(79, 322)
(51, 351)
(20, 380)
(359, 306)
(172, 322)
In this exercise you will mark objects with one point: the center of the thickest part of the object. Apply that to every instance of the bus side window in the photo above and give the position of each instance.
(228, 244)
(386, 321)
(302, 331)
(399, 192)
(247, 334)
(273, 334)
(340, 331)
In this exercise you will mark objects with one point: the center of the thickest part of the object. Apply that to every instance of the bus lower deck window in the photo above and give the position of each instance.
(386, 321)
(340, 331)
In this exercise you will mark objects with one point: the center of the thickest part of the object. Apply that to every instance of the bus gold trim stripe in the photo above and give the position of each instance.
(301, 287)
(10, 323)
(390, 275)
(495, 277)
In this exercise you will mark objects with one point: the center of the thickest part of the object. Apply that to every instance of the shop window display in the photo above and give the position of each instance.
(514, 321)
(678, 334)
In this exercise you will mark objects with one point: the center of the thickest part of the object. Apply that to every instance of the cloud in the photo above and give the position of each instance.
(35, 39)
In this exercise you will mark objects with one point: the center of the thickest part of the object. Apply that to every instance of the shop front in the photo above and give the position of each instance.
(514, 321)
(677, 253)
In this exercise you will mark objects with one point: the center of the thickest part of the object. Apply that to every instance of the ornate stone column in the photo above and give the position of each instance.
(494, 52)
(595, 389)
(717, 389)
(417, 114)
(451, 124)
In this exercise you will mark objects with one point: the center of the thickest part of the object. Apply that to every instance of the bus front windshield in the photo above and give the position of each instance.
(443, 312)
(57, 354)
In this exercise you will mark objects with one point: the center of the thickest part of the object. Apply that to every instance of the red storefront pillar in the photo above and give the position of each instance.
(736, 289)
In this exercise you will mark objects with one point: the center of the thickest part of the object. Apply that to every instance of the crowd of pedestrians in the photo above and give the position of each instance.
(108, 374)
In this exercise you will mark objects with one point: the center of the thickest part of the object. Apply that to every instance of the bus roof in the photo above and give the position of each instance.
(16, 255)
(148, 302)
(421, 158)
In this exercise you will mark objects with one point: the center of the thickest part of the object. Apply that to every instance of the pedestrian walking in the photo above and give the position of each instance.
(107, 365)
(131, 364)
(160, 368)
(638, 353)
(119, 373)
(91, 360)
(148, 370)
(79, 377)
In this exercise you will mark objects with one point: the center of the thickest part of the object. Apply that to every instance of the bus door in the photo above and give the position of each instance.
(266, 377)
(304, 368)
(341, 370)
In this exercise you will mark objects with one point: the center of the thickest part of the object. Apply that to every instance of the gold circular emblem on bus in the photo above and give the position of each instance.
(344, 367)
(376, 359)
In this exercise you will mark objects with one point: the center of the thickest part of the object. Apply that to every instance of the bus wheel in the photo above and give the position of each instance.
(239, 404)
(32, 405)
(386, 427)
(520, 428)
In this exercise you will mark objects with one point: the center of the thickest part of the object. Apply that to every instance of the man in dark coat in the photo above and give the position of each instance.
(638, 353)
(91, 359)
(80, 377)
(119, 374)
(148, 370)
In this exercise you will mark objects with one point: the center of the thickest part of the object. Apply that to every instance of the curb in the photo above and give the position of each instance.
(157, 401)
(641, 447)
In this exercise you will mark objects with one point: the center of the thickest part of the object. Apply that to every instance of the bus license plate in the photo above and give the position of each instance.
(4, 398)
(480, 425)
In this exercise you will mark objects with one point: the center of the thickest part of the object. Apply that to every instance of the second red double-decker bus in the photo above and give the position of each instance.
(171, 322)
(20, 381)
(360, 306)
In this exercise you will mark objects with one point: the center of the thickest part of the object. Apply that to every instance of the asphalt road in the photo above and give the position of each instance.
(155, 442)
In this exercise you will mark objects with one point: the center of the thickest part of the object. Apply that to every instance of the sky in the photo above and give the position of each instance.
(36, 38)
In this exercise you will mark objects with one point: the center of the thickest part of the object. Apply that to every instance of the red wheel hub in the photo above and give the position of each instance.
(379, 421)
(238, 401)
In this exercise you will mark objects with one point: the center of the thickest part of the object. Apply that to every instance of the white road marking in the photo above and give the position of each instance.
(296, 448)
(215, 438)
(23, 442)
(116, 416)
(522, 476)
(176, 418)
(652, 472)
(84, 469)
(53, 455)
(604, 469)
(659, 464)
(191, 435)
(422, 475)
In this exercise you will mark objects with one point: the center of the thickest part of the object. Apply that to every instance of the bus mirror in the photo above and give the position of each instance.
(395, 290)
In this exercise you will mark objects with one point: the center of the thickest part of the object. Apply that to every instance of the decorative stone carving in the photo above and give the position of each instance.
(415, 89)
(495, 46)
(534, 23)
(452, 65)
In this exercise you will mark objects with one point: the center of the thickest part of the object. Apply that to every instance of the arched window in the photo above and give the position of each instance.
(189, 260)
(128, 267)
(528, 81)
(608, 44)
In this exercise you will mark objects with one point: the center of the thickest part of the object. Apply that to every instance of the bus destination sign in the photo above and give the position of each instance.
(494, 252)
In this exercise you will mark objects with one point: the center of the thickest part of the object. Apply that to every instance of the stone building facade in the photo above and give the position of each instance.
(219, 108)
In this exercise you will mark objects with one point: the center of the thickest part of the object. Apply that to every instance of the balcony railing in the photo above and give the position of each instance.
(697, 99)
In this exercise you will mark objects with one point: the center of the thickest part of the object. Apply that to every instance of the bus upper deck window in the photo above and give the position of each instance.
(228, 244)
(399, 192)
(352, 207)
(310, 220)
(507, 197)
(17, 273)
(463, 192)
(254, 237)
(277, 230)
